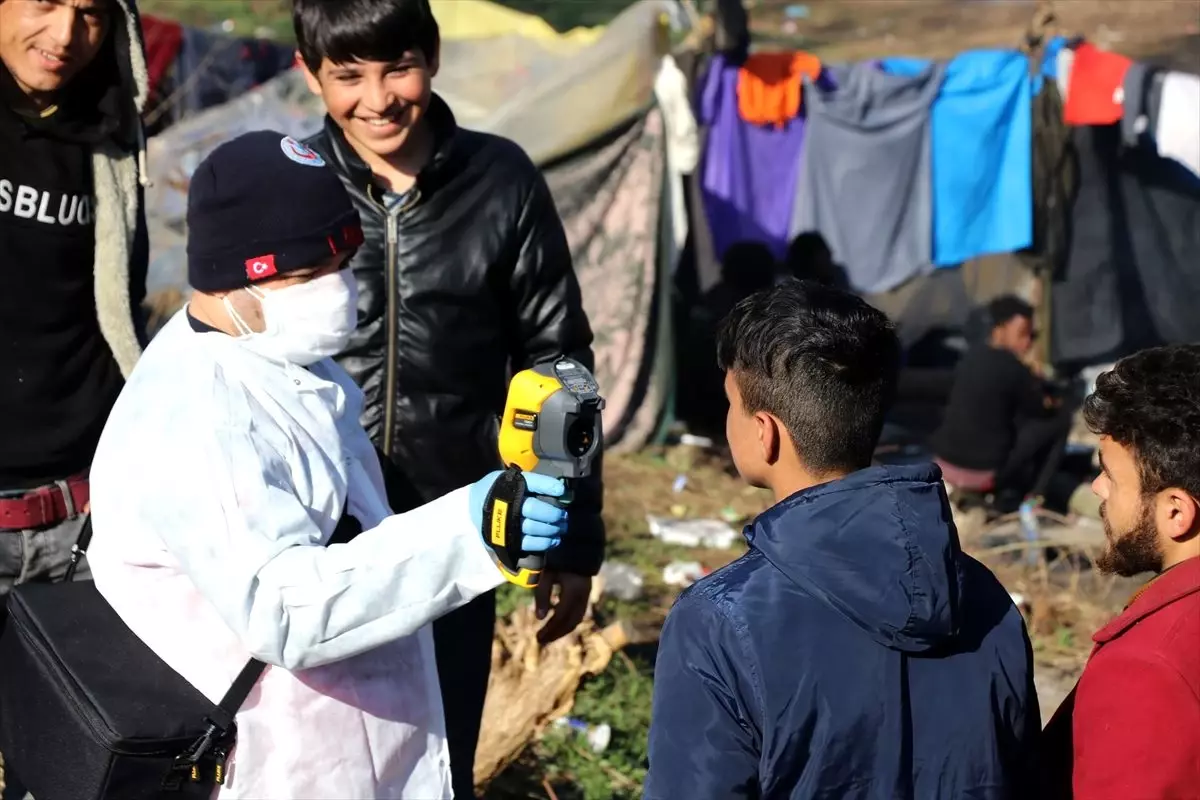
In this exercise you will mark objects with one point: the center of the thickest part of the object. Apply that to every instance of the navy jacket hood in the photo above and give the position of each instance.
(879, 547)
(854, 652)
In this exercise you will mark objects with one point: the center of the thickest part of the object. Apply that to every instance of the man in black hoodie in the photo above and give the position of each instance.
(73, 257)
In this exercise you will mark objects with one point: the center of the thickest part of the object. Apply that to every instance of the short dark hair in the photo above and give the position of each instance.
(370, 30)
(821, 360)
(1150, 403)
(1008, 307)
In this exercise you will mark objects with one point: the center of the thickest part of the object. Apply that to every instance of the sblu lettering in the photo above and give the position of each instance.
(50, 208)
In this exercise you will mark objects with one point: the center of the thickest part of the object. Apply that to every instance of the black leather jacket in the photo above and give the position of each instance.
(470, 277)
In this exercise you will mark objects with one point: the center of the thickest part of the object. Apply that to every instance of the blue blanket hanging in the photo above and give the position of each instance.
(982, 139)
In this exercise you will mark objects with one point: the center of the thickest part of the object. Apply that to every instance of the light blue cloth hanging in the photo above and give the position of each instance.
(982, 144)
(864, 176)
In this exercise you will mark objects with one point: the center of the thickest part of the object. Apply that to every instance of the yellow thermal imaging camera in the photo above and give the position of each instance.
(551, 426)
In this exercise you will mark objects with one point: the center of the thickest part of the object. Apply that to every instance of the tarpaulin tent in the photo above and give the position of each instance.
(582, 105)
(193, 69)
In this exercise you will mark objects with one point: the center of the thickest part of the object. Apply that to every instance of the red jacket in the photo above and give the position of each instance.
(1136, 721)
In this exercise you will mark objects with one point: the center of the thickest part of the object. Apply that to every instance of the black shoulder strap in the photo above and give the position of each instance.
(220, 734)
(227, 709)
(79, 549)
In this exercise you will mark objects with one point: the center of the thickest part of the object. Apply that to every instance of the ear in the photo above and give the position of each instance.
(1178, 514)
(314, 85)
(769, 437)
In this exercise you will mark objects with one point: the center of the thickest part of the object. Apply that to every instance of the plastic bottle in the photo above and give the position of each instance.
(1029, 528)
(598, 736)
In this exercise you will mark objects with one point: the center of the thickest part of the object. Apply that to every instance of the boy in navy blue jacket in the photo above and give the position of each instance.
(855, 652)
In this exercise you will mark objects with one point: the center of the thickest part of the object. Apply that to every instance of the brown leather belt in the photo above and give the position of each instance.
(45, 506)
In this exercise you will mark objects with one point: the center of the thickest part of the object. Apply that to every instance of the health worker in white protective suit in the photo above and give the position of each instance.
(231, 458)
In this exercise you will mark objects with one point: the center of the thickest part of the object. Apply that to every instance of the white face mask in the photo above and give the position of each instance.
(305, 322)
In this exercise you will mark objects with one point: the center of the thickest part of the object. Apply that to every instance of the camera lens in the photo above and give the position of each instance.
(580, 436)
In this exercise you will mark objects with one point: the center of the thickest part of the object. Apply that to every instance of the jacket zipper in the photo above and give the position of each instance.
(389, 402)
(102, 734)
(392, 279)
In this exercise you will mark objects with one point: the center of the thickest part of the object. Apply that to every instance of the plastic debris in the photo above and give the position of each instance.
(732, 515)
(622, 581)
(683, 573)
(692, 440)
(711, 533)
(1021, 602)
(681, 482)
(796, 11)
(598, 736)
(1029, 528)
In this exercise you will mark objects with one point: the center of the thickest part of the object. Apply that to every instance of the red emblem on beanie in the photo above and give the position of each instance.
(260, 267)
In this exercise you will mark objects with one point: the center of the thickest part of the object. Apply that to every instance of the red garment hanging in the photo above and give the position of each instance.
(163, 39)
(1094, 94)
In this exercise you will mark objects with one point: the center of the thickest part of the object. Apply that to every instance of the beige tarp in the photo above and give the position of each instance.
(480, 19)
(555, 95)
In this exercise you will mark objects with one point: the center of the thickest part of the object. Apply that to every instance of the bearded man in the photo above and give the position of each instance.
(1133, 721)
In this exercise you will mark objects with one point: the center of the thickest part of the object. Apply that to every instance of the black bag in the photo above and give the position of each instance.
(89, 712)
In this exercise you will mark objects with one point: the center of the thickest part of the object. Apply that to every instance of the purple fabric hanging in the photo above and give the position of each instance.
(749, 171)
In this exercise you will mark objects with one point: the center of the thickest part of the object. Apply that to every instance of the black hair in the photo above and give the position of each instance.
(821, 360)
(1008, 307)
(1150, 403)
(370, 30)
(809, 258)
(748, 266)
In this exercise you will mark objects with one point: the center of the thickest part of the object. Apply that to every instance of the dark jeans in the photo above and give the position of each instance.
(1034, 458)
(463, 644)
(35, 556)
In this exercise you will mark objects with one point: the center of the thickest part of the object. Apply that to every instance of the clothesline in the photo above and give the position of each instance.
(907, 165)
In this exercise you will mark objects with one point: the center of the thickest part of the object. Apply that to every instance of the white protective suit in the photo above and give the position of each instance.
(219, 476)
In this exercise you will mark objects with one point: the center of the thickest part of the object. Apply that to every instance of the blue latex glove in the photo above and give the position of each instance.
(543, 524)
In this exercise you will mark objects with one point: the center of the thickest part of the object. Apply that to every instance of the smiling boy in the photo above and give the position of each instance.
(464, 276)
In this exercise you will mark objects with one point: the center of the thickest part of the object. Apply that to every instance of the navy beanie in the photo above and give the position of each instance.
(261, 205)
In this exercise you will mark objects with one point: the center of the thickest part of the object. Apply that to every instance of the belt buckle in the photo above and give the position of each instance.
(45, 504)
(42, 499)
(68, 501)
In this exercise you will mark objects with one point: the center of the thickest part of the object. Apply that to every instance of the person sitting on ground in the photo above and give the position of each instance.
(746, 268)
(1132, 726)
(999, 419)
(809, 258)
(240, 508)
(854, 651)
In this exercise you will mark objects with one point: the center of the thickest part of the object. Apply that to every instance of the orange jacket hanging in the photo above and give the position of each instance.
(769, 86)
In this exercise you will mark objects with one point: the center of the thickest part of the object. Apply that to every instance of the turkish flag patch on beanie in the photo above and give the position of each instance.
(261, 267)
